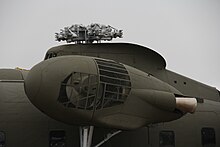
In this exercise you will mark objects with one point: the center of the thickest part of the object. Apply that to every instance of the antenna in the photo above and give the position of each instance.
(79, 33)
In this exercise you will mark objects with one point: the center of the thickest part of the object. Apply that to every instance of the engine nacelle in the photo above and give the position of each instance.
(83, 90)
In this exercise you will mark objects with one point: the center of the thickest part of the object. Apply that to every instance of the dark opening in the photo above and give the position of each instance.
(46, 57)
(79, 90)
(167, 139)
(57, 138)
(2, 139)
(50, 55)
(208, 137)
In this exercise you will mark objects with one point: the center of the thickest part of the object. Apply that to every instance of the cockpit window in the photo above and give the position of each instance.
(86, 91)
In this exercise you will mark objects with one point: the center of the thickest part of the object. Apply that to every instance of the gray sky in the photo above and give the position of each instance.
(185, 32)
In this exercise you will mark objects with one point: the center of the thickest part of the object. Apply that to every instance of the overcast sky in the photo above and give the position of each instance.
(185, 32)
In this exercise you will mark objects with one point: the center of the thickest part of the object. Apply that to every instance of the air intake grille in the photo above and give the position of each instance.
(86, 91)
(114, 82)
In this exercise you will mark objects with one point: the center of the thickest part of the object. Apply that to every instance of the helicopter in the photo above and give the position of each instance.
(105, 94)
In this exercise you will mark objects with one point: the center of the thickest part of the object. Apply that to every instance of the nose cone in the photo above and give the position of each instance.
(43, 86)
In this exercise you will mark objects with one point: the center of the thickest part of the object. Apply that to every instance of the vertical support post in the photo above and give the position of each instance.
(86, 134)
(91, 128)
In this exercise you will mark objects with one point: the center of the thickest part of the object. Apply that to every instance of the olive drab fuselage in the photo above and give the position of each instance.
(112, 86)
